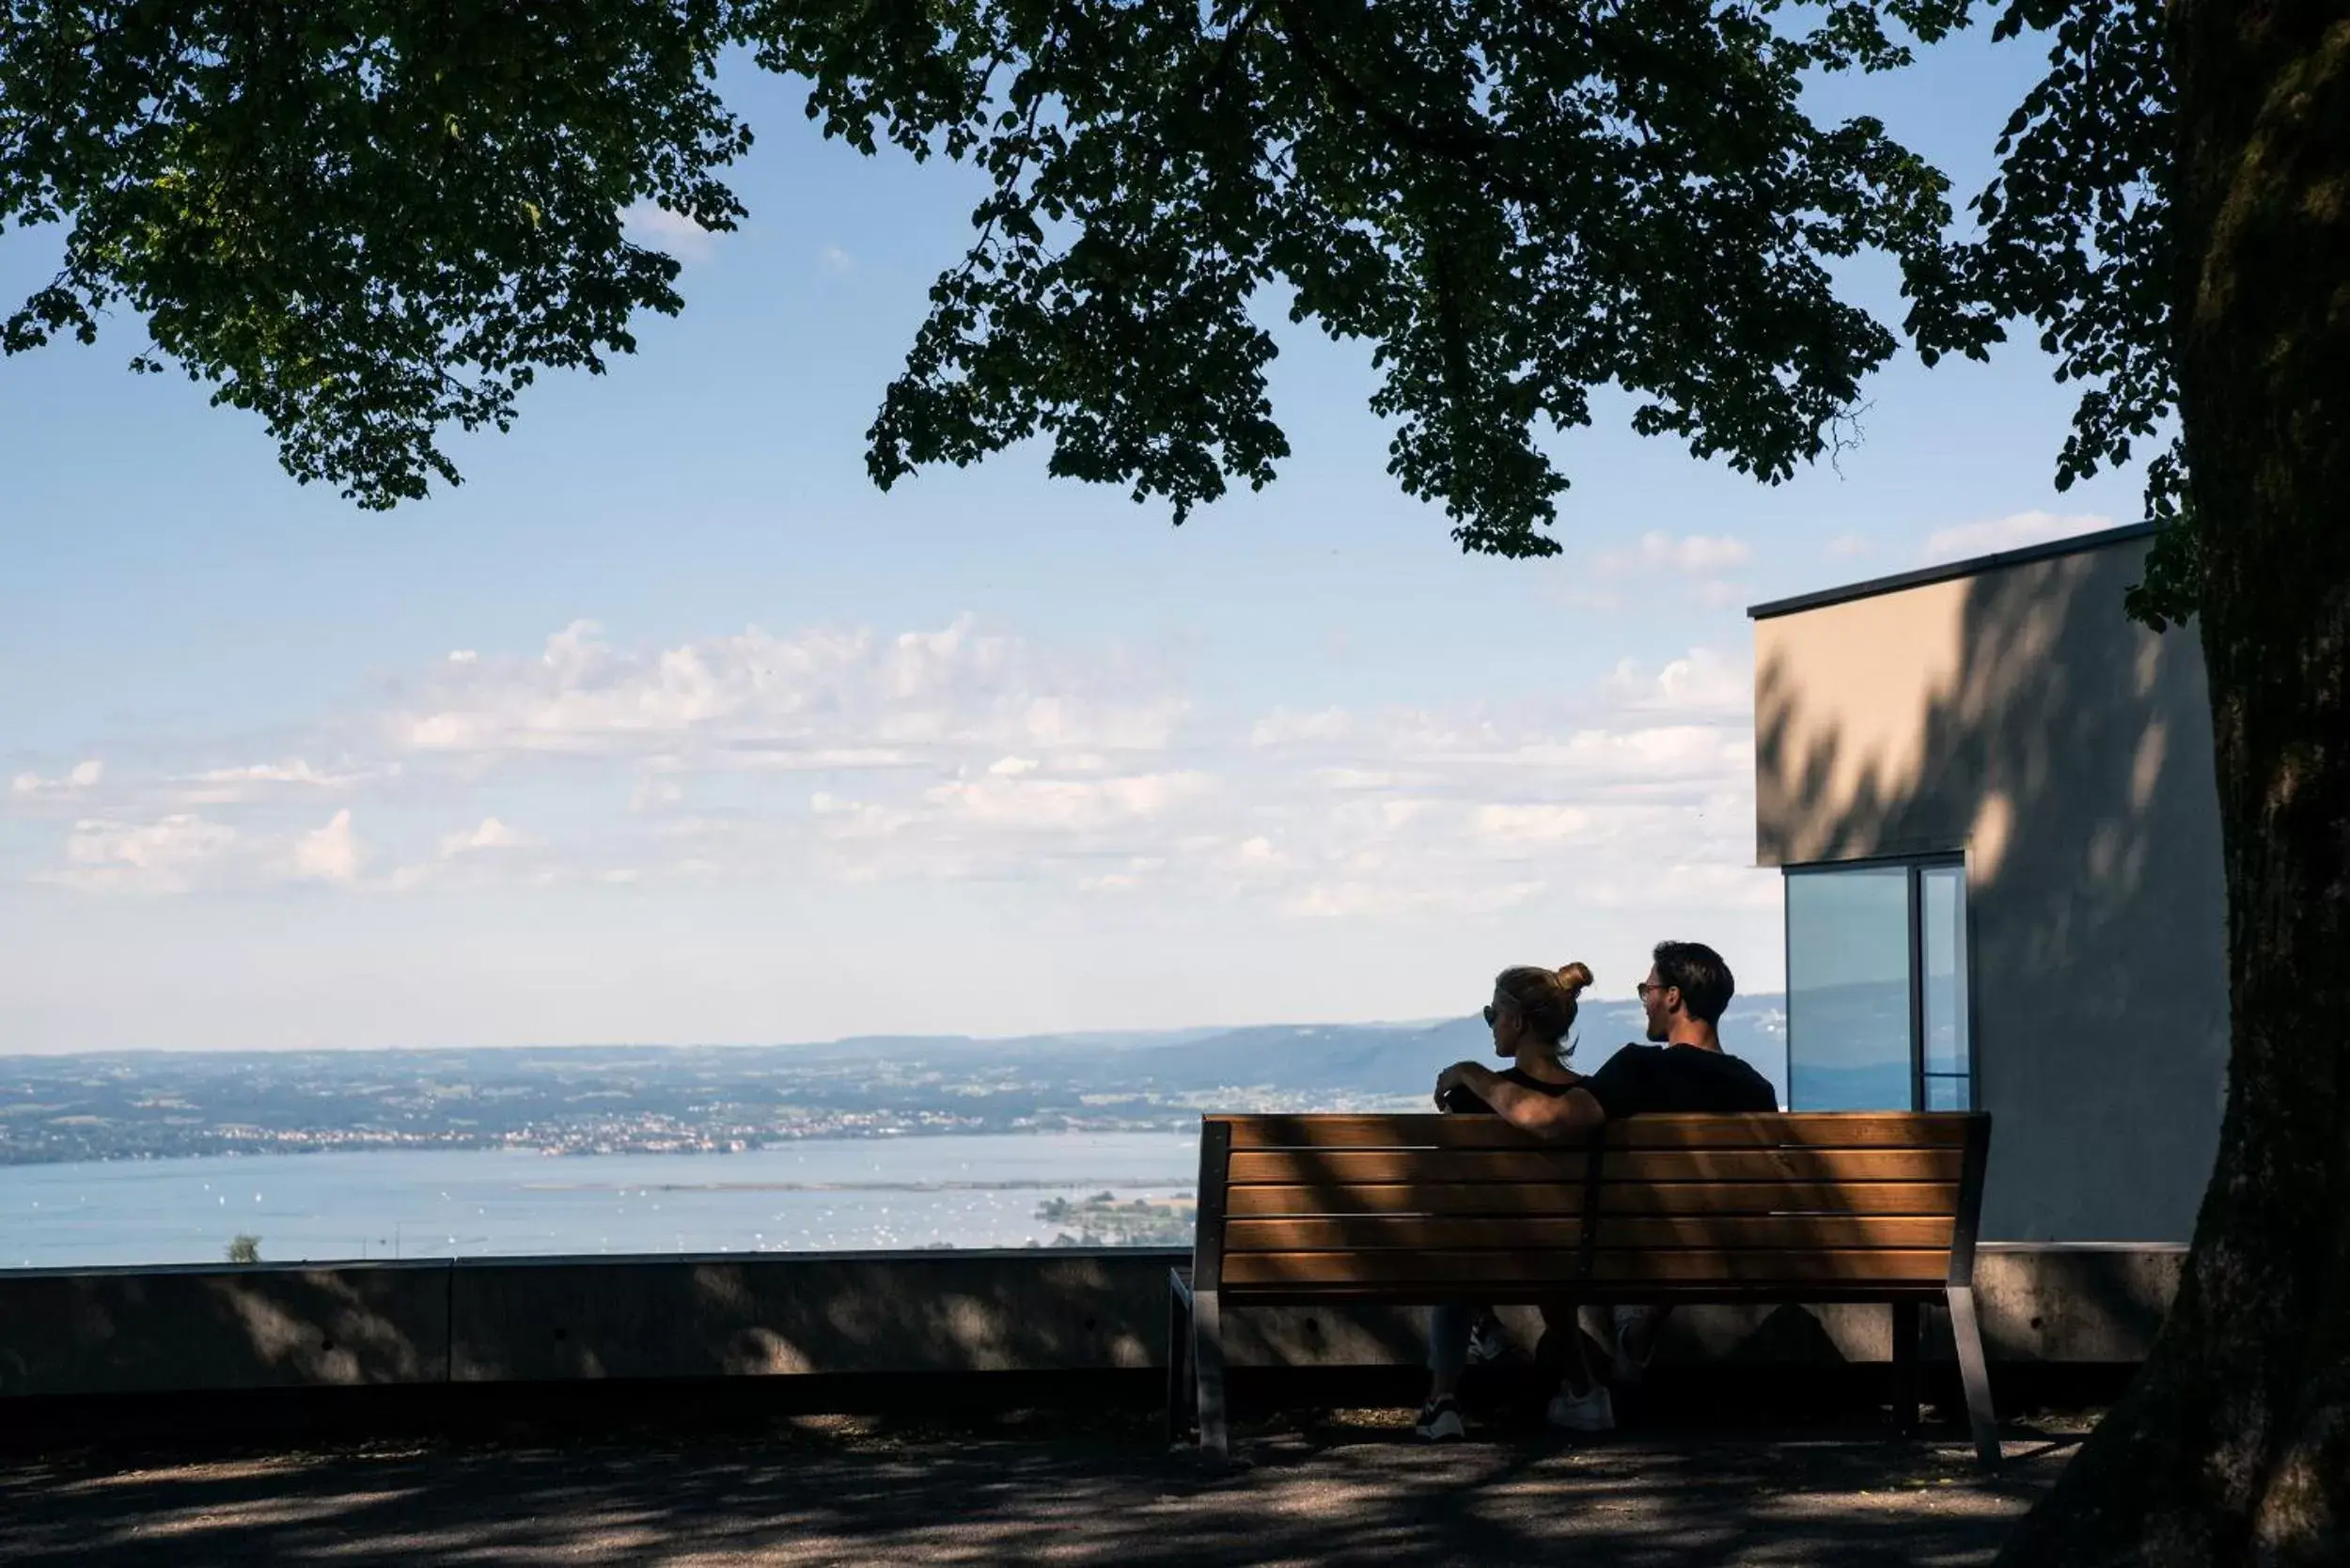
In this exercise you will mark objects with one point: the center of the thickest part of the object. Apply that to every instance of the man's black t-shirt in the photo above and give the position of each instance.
(1678, 1078)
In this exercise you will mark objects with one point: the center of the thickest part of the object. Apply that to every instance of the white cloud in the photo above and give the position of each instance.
(817, 698)
(653, 795)
(165, 857)
(1844, 547)
(1657, 754)
(2011, 532)
(329, 853)
(295, 772)
(1691, 565)
(1024, 826)
(82, 775)
(958, 753)
(1703, 680)
(492, 835)
(257, 780)
(473, 856)
(1387, 899)
(674, 232)
(184, 851)
(1063, 804)
(1692, 555)
(837, 261)
(1536, 823)
(1362, 778)
(1283, 727)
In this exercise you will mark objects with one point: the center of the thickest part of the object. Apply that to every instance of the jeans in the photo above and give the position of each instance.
(1449, 1339)
(1449, 1329)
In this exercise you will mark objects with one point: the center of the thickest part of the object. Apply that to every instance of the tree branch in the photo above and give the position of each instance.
(1479, 151)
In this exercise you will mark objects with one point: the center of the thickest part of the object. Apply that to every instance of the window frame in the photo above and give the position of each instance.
(1915, 864)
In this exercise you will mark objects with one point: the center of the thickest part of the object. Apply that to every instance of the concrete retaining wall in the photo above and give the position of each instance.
(193, 1329)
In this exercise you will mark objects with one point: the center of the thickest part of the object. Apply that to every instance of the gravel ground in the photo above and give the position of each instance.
(1345, 1487)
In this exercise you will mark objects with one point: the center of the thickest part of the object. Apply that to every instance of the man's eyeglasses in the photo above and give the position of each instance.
(1643, 989)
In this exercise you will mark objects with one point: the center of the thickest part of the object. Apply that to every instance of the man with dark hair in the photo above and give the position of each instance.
(1698, 972)
(1686, 1069)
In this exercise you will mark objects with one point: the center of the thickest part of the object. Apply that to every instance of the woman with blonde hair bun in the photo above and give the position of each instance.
(1532, 1018)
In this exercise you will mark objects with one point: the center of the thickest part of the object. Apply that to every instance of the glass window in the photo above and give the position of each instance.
(1947, 1065)
(1848, 989)
(1877, 987)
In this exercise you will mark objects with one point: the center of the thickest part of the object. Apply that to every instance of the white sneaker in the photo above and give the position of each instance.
(1440, 1423)
(1591, 1411)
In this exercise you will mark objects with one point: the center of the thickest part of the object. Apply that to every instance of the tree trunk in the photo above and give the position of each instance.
(2234, 1446)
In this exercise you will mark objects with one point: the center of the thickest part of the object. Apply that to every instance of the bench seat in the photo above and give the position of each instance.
(1809, 1207)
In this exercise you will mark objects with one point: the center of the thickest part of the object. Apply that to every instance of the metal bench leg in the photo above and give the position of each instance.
(1180, 1387)
(1207, 1339)
(1909, 1323)
(1972, 1371)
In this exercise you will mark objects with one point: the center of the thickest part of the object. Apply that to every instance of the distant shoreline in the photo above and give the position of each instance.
(979, 1190)
(709, 1100)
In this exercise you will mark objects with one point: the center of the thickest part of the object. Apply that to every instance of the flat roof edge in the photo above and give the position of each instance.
(1973, 567)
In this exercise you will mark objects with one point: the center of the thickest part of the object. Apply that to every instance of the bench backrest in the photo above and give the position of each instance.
(1813, 1206)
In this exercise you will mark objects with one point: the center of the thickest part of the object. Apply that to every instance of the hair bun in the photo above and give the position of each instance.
(1575, 975)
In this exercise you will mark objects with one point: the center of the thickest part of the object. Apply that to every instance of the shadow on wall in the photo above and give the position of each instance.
(1041, 1311)
(148, 1330)
(938, 1311)
(125, 1331)
(2019, 715)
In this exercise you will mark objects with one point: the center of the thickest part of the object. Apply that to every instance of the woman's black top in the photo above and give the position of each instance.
(1458, 1101)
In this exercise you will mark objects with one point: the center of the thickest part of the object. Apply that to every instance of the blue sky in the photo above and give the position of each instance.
(668, 727)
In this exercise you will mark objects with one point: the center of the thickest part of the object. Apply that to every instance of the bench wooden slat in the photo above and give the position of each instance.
(1761, 1130)
(1562, 1162)
(1417, 1211)
(1566, 1198)
(1465, 1271)
(1423, 1233)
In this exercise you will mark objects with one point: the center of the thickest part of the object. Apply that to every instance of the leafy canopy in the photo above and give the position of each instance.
(369, 220)
(364, 220)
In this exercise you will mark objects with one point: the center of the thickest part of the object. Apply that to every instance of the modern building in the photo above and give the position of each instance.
(1991, 797)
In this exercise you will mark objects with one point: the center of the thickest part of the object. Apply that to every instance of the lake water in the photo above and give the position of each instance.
(817, 1196)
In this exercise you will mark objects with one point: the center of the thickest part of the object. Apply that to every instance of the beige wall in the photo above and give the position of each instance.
(2019, 716)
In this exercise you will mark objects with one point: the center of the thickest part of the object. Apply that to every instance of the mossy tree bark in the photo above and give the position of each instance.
(2233, 1447)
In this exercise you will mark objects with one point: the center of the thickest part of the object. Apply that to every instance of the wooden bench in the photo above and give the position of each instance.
(1418, 1210)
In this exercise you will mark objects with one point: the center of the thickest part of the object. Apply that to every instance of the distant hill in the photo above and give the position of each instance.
(604, 1099)
(1403, 1060)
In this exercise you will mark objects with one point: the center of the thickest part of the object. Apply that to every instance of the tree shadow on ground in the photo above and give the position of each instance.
(1340, 1487)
